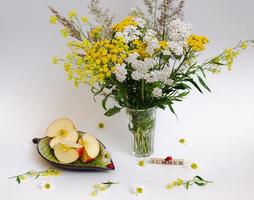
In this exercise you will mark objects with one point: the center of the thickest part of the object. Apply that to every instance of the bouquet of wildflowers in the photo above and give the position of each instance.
(149, 59)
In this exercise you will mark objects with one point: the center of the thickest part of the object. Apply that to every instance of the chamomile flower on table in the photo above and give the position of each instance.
(46, 186)
(190, 165)
(101, 125)
(138, 190)
(141, 163)
(182, 141)
(194, 166)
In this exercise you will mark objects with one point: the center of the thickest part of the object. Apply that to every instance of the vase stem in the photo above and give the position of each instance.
(141, 124)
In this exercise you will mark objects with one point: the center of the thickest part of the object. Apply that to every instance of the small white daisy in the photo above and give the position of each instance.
(138, 190)
(141, 163)
(46, 185)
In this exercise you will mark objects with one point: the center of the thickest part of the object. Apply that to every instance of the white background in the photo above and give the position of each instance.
(217, 126)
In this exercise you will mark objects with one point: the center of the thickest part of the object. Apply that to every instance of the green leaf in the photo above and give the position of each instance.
(195, 84)
(18, 180)
(37, 176)
(203, 83)
(172, 109)
(112, 111)
(199, 183)
(181, 86)
(187, 185)
(217, 63)
(104, 101)
(202, 71)
(199, 177)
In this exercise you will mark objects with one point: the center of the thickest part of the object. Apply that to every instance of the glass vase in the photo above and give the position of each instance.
(141, 124)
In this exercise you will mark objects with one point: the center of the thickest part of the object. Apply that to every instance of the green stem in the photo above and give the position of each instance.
(143, 90)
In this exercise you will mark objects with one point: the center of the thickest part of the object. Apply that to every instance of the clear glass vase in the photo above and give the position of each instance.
(141, 124)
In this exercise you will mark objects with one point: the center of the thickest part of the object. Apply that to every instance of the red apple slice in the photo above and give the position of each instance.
(91, 148)
(59, 126)
(79, 148)
(66, 154)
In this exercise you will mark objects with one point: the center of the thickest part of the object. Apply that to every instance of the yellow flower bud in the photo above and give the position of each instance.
(53, 19)
(97, 61)
(55, 60)
(72, 14)
(64, 32)
(84, 19)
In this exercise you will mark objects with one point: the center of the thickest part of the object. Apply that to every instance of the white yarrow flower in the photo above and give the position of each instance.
(120, 72)
(157, 92)
(141, 22)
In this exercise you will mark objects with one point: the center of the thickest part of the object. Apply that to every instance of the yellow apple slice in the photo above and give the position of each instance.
(91, 148)
(64, 135)
(66, 154)
(59, 126)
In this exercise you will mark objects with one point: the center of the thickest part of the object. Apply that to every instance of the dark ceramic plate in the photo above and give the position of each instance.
(102, 162)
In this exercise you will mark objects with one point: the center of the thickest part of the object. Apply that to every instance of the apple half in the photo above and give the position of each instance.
(91, 147)
(68, 152)
(61, 129)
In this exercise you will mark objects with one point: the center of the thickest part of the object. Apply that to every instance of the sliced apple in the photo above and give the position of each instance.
(54, 141)
(66, 154)
(59, 126)
(79, 148)
(91, 147)
(64, 135)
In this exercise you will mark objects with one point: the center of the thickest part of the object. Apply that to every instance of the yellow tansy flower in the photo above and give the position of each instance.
(64, 32)
(244, 45)
(53, 19)
(72, 14)
(55, 60)
(197, 42)
(84, 20)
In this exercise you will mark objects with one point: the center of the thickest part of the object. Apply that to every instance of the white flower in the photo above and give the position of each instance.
(168, 82)
(137, 190)
(136, 75)
(179, 31)
(151, 40)
(157, 92)
(120, 72)
(177, 47)
(141, 163)
(132, 57)
(166, 52)
(45, 185)
(129, 34)
(141, 22)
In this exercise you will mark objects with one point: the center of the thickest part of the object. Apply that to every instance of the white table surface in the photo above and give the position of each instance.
(218, 126)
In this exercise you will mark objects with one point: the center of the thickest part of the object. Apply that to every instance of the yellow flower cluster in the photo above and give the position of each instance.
(96, 32)
(126, 22)
(176, 183)
(64, 32)
(97, 61)
(228, 56)
(84, 19)
(72, 14)
(163, 44)
(102, 57)
(197, 42)
(140, 48)
(77, 45)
